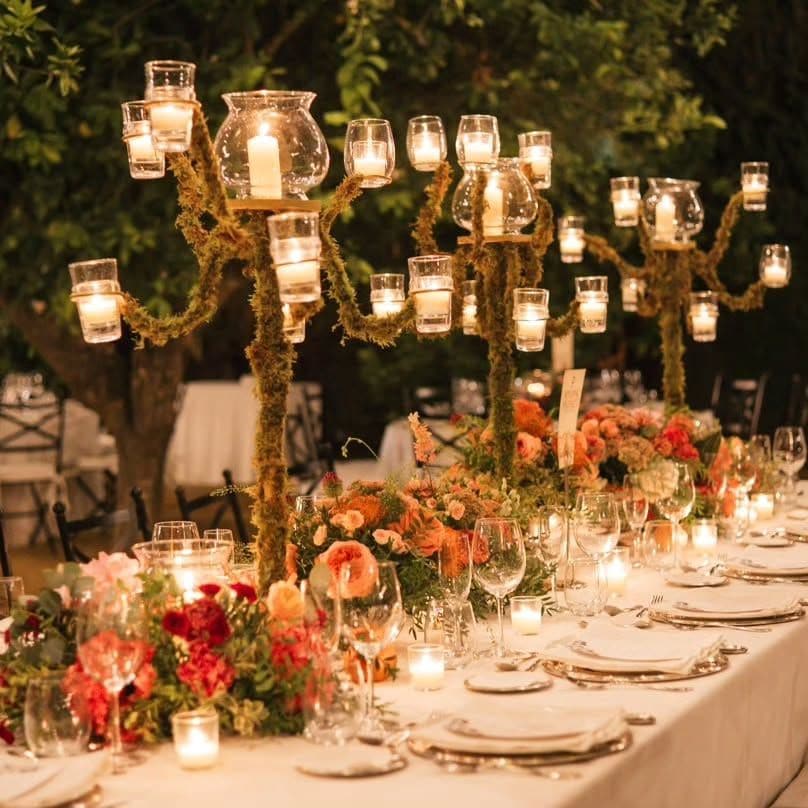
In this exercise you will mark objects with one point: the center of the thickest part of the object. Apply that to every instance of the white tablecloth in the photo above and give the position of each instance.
(736, 740)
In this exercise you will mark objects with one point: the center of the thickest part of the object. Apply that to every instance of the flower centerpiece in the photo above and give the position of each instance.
(250, 659)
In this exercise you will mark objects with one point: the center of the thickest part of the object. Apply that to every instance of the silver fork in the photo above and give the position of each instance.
(655, 601)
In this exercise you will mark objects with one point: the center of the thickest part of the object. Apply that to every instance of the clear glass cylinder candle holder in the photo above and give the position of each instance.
(526, 614)
(755, 185)
(775, 265)
(617, 568)
(632, 290)
(508, 200)
(172, 98)
(672, 210)
(470, 324)
(477, 140)
(763, 504)
(626, 201)
(592, 294)
(426, 142)
(571, 238)
(145, 162)
(530, 313)
(97, 295)
(427, 665)
(370, 151)
(294, 329)
(700, 548)
(536, 156)
(196, 738)
(703, 316)
(431, 285)
(269, 145)
(294, 243)
(386, 293)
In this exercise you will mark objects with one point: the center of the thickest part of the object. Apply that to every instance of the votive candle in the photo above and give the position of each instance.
(196, 738)
(526, 614)
(618, 566)
(763, 505)
(427, 665)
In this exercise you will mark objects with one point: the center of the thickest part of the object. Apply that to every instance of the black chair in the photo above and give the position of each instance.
(5, 564)
(797, 408)
(307, 457)
(738, 403)
(69, 531)
(223, 500)
(144, 526)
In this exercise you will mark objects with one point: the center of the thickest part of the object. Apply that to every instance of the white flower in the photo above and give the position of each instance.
(320, 536)
(659, 479)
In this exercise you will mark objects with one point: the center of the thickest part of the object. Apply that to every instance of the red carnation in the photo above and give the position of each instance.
(5, 733)
(290, 649)
(206, 673)
(177, 623)
(245, 591)
(210, 590)
(32, 622)
(208, 622)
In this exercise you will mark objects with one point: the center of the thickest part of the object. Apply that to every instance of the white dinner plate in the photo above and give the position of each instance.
(353, 760)
(511, 682)
(767, 540)
(695, 579)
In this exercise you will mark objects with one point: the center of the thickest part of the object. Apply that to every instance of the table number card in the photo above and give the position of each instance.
(571, 390)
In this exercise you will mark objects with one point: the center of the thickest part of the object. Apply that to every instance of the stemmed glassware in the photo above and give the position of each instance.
(678, 504)
(110, 630)
(635, 509)
(175, 531)
(372, 617)
(499, 551)
(596, 522)
(789, 454)
(552, 542)
(454, 578)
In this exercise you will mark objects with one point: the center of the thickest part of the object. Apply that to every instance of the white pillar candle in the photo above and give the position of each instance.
(196, 739)
(775, 272)
(98, 311)
(665, 219)
(435, 303)
(167, 118)
(478, 147)
(264, 162)
(302, 272)
(704, 536)
(141, 148)
(592, 314)
(571, 244)
(763, 505)
(626, 206)
(526, 614)
(386, 308)
(616, 574)
(493, 217)
(704, 323)
(469, 318)
(427, 665)
(755, 187)
(426, 149)
(539, 159)
(530, 333)
(370, 158)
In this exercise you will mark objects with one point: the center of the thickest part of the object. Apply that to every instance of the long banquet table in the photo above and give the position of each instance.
(735, 740)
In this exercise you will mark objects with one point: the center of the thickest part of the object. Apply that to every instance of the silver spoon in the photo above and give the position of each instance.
(469, 766)
(630, 686)
(529, 664)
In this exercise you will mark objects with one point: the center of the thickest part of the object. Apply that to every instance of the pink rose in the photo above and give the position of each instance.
(285, 602)
(113, 570)
(456, 509)
(320, 536)
(431, 503)
(362, 566)
(386, 536)
(349, 521)
(528, 447)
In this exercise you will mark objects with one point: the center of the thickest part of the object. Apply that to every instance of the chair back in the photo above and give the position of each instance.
(70, 530)
(738, 403)
(307, 457)
(797, 408)
(32, 431)
(144, 525)
(5, 563)
(219, 501)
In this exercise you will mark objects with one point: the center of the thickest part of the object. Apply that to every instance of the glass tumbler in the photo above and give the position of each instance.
(56, 724)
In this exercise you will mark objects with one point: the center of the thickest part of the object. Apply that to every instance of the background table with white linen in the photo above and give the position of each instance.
(735, 740)
(396, 452)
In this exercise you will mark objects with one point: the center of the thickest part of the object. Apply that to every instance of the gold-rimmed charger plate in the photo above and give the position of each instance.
(575, 673)
(763, 577)
(682, 620)
(441, 754)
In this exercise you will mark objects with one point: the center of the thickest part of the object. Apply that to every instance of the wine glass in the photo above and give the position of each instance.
(307, 506)
(552, 542)
(743, 467)
(679, 501)
(596, 521)
(789, 454)
(11, 590)
(322, 607)
(110, 628)
(635, 509)
(372, 617)
(454, 578)
(500, 556)
(175, 531)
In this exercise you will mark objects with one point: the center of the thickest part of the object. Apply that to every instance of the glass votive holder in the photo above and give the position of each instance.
(370, 151)
(171, 96)
(293, 329)
(701, 547)
(775, 265)
(618, 567)
(469, 322)
(631, 290)
(526, 614)
(145, 162)
(386, 293)
(762, 503)
(530, 313)
(97, 295)
(755, 185)
(703, 316)
(477, 140)
(431, 284)
(536, 154)
(55, 723)
(585, 591)
(571, 238)
(196, 738)
(427, 665)
(426, 142)
(294, 243)
(626, 201)
(592, 294)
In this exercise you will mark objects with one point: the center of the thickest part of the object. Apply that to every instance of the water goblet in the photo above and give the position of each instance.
(658, 546)
(678, 502)
(596, 522)
(552, 537)
(585, 586)
(635, 509)
(789, 454)
(499, 551)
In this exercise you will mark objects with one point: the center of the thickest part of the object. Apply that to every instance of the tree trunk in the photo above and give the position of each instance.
(675, 286)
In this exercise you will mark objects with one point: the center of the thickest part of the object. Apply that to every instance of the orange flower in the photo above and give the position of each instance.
(531, 418)
(528, 447)
(384, 665)
(369, 506)
(360, 562)
(423, 443)
(454, 555)
(428, 539)
(290, 562)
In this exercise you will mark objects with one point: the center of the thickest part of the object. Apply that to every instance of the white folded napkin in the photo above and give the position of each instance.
(336, 760)
(601, 726)
(776, 561)
(622, 649)
(730, 604)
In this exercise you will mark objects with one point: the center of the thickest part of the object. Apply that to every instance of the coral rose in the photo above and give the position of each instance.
(285, 602)
(528, 447)
(369, 506)
(455, 509)
(454, 555)
(386, 536)
(362, 567)
(590, 428)
(428, 539)
(290, 562)
(531, 418)
(609, 429)
(349, 521)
